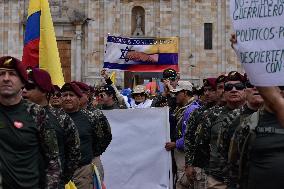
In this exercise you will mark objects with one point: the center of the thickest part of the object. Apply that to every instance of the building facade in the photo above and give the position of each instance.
(203, 27)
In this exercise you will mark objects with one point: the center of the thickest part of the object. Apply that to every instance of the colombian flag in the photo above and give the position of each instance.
(40, 46)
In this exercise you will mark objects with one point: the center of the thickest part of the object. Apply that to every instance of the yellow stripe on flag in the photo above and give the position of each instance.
(113, 77)
(48, 52)
(34, 6)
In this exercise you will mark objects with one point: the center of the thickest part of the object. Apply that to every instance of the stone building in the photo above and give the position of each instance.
(203, 27)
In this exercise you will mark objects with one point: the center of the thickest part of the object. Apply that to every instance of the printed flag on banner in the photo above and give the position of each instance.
(40, 46)
(141, 54)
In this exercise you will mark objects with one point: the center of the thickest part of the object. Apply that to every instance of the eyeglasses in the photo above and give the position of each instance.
(281, 88)
(230, 86)
(58, 95)
(139, 94)
(29, 86)
(249, 85)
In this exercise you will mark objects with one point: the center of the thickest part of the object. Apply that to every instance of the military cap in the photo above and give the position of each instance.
(235, 76)
(40, 78)
(182, 86)
(72, 87)
(56, 88)
(169, 74)
(221, 78)
(139, 89)
(83, 86)
(210, 82)
(9, 62)
(107, 88)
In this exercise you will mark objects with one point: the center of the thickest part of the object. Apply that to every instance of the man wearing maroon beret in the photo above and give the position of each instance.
(85, 93)
(55, 98)
(94, 131)
(38, 90)
(25, 134)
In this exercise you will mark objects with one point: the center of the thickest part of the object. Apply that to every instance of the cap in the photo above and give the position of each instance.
(107, 88)
(41, 78)
(221, 78)
(182, 85)
(9, 62)
(169, 74)
(235, 76)
(83, 86)
(72, 87)
(209, 82)
(139, 89)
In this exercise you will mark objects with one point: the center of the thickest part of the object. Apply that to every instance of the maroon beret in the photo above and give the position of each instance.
(9, 62)
(72, 87)
(83, 86)
(41, 78)
(210, 82)
(235, 76)
(221, 78)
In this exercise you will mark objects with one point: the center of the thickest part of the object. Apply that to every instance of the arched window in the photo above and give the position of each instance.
(138, 21)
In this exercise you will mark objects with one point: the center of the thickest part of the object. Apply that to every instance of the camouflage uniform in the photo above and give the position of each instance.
(70, 142)
(197, 150)
(44, 138)
(102, 130)
(189, 138)
(116, 105)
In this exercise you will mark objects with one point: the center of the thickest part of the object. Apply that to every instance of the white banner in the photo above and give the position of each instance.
(259, 27)
(136, 157)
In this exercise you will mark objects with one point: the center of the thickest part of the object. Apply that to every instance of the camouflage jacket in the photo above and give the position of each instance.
(116, 105)
(48, 142)
(71, 142)
(101, 128)
(197, 152)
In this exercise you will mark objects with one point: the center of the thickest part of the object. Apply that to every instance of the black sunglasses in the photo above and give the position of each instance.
(139, 94)
(249, 85)
(29, 86)
(281, 88)
(58, 94)
(230, 86)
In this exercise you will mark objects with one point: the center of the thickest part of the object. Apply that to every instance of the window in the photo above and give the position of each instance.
(208, 27)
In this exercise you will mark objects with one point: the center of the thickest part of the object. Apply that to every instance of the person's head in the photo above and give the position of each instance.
(220, 86)
(234, 88)
(209, 87)
(139, 93)
(85, 91)
(71, 95)
(13, 76)
(106, 95)
(183, 92)
(254, 100)
(55, 98)
(39, 86)
(171, 75)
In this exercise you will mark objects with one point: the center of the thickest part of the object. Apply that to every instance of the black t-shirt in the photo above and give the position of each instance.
(266, 168)
(86, 136)
(19, 148)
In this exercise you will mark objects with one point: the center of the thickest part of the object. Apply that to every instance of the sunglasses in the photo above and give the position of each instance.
(249, 85)
(58, 95)
(29, 86)
(281, 88)
(139, 94)
(230, 86)
(102, 95)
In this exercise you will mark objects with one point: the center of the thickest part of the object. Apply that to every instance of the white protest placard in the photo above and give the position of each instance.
(136, 157)
(259, 28)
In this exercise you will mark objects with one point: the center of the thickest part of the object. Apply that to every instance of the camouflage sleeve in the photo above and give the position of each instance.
(189, 137)
(49, 147)
(102, 132)
(72, 148)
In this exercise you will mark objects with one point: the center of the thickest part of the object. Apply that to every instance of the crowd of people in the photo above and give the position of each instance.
(225, 134)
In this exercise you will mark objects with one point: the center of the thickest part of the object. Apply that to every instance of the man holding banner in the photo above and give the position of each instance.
(258, 42)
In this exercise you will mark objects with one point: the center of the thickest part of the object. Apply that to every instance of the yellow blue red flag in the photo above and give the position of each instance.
(40, 46)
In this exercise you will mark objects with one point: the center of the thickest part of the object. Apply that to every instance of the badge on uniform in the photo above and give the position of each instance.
(18, 124)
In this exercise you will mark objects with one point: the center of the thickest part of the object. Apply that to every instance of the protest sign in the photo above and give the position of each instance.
(259, 28)
(136, 157)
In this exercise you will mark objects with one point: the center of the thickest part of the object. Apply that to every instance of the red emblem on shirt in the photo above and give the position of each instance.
(18, 124)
